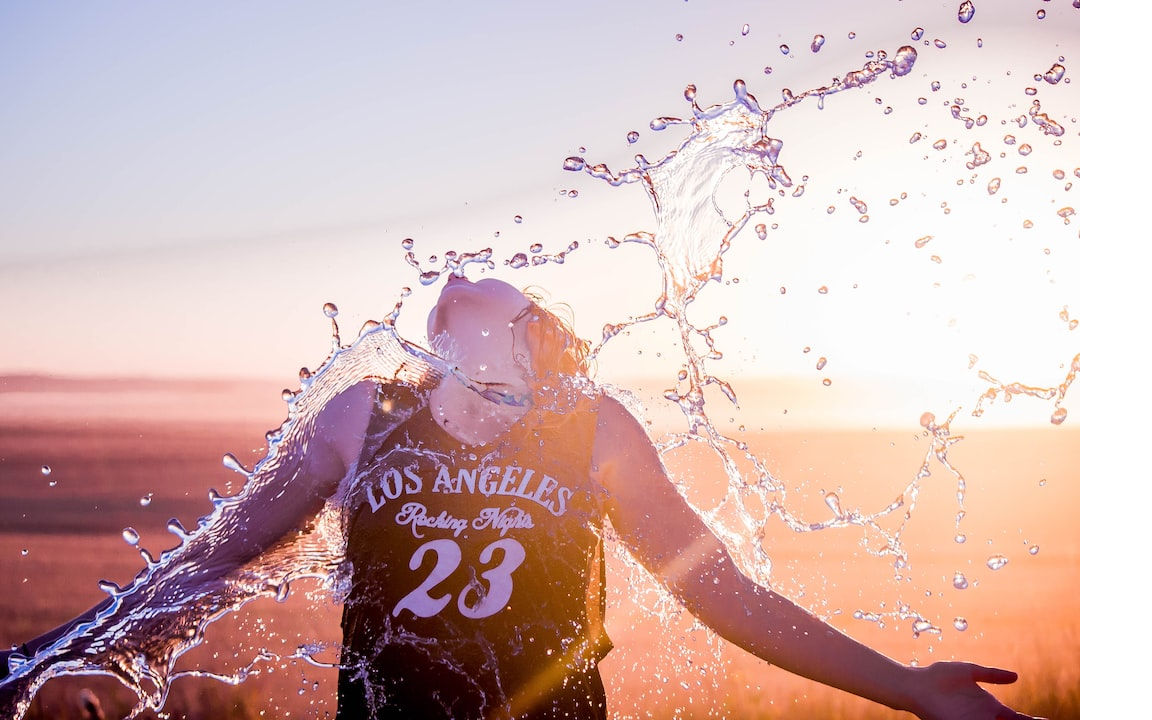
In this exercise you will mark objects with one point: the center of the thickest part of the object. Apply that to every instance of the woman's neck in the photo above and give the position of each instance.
(476, 411)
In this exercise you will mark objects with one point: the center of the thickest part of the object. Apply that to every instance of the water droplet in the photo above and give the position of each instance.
(821, 363)
(146, 500)
(927, 420)
(535, 248)
(996, 562)
(1041, 14)
(24, 551)
(130, 536)
(960, 539)
(679, 37)
(966, 11)
(1059, 415)
(827, 382)
(573, 193)
(761, 231)
(959, 581)
(633, 136)
(923, 626)
(939, 43)
(935, 85)
(407, 243)
(1033, 549)
(993, 186)
(517, 219)
(45, 470)
(940, 144)
(767, 69)
(574, 164)
(832, 500)
(784, 50)
(921, 242)
(817, 43)
(960, 624)
(330, 310)
(744, 30)
(1054, 74)
(918, 33)
(177, 528)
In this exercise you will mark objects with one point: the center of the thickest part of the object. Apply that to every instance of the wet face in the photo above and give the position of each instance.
(472, 327)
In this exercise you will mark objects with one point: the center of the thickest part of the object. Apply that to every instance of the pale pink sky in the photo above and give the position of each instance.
(185, 188)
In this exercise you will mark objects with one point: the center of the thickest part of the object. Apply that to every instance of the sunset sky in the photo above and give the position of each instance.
(182, 188)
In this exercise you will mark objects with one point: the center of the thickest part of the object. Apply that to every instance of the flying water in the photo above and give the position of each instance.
(162, 614)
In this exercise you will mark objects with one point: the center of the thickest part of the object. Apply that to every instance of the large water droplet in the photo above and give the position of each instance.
(130, 536)
(996, 562)
(1059, 415)
(960, 624)
(832, 500)
(967, 10)
(574, 163)
(959, 581)
(330, 310)
(1054, 74)
(918, 33)
(904, 60)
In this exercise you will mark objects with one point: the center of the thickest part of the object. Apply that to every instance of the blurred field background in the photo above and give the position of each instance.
(109, 444)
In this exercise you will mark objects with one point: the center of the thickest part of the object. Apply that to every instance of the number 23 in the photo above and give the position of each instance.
(488, 601)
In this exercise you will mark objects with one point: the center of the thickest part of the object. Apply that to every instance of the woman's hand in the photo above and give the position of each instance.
(951, 691)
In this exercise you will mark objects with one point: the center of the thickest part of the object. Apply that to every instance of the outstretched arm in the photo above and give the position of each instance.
(664, 533)
(283, 502)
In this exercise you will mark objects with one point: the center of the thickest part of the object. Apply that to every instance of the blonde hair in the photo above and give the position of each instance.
(553, 345)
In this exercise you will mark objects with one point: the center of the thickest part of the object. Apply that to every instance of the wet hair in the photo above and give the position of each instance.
(553, 345)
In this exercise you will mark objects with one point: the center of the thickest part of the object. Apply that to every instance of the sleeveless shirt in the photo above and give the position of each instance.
(477, 574)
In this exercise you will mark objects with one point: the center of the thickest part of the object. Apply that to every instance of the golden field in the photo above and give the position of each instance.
(110, 446)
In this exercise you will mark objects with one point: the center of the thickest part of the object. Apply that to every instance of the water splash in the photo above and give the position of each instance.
(163, 613)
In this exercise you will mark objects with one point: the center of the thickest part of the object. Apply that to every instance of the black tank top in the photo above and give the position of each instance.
(477, 574)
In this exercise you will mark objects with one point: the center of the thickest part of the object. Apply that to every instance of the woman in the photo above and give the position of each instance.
(474, 538)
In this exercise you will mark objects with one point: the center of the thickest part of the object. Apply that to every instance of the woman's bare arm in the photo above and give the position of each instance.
(667, 536)
(283, 503)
